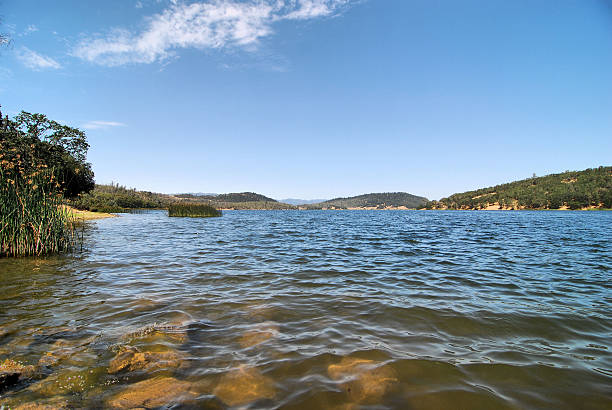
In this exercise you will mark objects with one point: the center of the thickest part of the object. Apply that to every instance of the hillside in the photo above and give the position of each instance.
(241, 200)
(377, 200)
(295, 201)
(116, 198)
(591, 188)
(243, 197)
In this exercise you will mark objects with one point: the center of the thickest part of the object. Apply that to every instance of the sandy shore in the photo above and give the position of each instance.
(88, 215)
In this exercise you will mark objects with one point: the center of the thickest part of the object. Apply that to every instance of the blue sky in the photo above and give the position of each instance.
(318, 98)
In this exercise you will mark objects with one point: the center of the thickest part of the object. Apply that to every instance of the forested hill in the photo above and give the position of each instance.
(591, 188)
(243, 197)
(379, 200)
(116, 198)
(232, 197)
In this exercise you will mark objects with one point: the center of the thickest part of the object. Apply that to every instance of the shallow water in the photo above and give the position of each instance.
(320, 309)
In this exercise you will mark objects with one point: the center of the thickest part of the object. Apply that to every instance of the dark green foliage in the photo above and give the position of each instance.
(258, 205)
(380, 200)
(242, 200)
(574, 189)
(193, 210)
(242, 197)
(35, 139)
(232, 197)
(115, 198)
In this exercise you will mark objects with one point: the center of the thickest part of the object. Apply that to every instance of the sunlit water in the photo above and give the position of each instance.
(320, 309)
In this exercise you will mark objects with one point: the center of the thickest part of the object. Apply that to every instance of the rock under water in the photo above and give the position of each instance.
(152, 393)
(244, 385)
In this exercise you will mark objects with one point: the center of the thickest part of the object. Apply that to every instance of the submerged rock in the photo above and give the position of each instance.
(259, 334)
(64, 350)
(12, 372)
(244, 385)
(150, 393)
(364, 380)
(171, 332)
(67, 381)
(24, 371)
(57, 403)
(130, 358)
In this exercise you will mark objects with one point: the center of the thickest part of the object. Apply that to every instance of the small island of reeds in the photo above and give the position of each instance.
(193, 210)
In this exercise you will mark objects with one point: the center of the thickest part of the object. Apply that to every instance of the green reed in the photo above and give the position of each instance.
(193, 210)
(32, 217)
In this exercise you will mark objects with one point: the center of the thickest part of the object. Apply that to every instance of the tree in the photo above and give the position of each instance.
(32, 140)
(38, 126)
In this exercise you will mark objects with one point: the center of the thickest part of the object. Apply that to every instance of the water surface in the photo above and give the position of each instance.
(321, 309)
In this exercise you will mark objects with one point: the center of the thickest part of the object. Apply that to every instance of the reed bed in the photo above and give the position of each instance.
(193, 210)
(33, 220)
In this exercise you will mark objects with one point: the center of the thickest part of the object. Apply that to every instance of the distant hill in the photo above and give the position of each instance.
(294, 201)
(243, 197)
(378, 200)
(195, 194)
(116, 198)
(591, 188)
(241, 200)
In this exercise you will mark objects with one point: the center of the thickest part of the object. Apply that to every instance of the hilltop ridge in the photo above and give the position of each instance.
(590, 188)
(383, 200)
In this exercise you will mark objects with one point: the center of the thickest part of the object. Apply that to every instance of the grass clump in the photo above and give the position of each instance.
(193, 210)
(33, 220)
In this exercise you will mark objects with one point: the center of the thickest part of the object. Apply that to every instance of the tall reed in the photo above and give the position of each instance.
(33, 220)
(193, 210)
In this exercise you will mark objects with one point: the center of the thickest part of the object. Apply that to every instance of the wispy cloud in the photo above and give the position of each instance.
(215, 24)
(29, 30)
(96, 125)
(36, 61)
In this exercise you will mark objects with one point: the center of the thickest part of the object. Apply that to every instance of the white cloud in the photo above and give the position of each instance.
(307, 9)
(36, 61)
(96, 125)
(29, 30)
(215, 24)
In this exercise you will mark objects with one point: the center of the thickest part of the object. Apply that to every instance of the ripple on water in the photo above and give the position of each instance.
(419, 310)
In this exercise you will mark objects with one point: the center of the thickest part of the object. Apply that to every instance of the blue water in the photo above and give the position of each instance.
(324, 309)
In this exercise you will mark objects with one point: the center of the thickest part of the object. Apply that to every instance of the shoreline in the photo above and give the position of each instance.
(88, 215)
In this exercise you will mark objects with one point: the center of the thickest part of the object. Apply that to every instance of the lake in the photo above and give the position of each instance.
(318, 309)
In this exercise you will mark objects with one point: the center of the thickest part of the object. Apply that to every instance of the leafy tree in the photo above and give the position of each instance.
(34, 139)
(38, 126)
